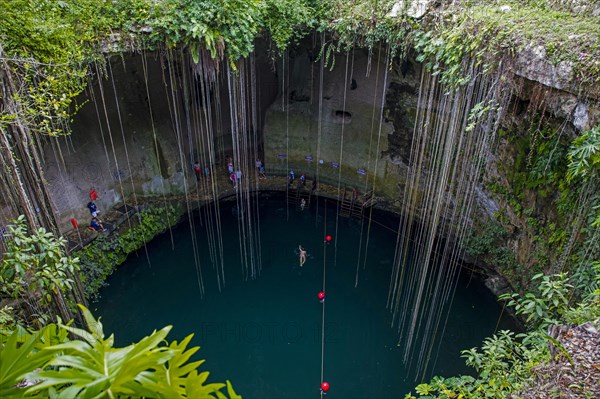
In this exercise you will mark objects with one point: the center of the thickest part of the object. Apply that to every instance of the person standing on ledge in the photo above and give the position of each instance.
(302, 255)
(93, 194)
(261, 172)
(93, 209)
(197, 170)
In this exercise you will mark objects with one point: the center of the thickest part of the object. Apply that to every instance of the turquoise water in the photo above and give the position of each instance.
(265, 334)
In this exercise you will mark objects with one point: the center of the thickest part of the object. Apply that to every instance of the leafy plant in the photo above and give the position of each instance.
(584, 155)
(505, 360)
(488, 245)
(89, 366)
(288, 20)
(8, 322)
(546, 308)
(102, 256)
(228, 26)
(36, 263)
(20, 354)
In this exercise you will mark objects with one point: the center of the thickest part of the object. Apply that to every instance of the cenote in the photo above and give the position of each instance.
(265, 334)
(475, 124)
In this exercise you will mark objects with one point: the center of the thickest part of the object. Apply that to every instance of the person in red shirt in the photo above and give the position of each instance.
(197, 170)
(93, 194)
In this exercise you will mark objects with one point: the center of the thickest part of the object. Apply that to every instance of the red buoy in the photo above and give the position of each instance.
(324, 386)
(328, 238)
(74, 223)
(321, 296)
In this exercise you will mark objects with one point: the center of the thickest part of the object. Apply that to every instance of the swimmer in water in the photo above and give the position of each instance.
(302, 255)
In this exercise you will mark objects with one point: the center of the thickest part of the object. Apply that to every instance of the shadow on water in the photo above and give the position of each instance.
(265, 334)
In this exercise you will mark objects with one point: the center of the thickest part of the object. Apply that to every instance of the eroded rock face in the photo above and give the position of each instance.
(497, 284)
(485, 202)
(401, 108)
(347, 105)
(581, 118)
(127, 142)
(530, 96)
(337, 125)
(412, 8)
(532, 63)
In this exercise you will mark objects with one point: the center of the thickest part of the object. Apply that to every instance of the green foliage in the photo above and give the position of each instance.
(229, 25)
(546, 307)
(48, 46)
(485, 32)
(503, 365)
(584, 155)
(89, 366)
(8, 322)
(589, 307)
(557, 214)
(20, 354)
(547, 164)
(489, 246)
(444, 55)
(102, 256)
(35, 263)
(504, 362)
(288, 20)
(542, 202)
(478, 112)
(367, 24)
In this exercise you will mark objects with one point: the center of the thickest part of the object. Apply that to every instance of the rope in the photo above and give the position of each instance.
(170, 83)
(320, 121)
(382, 106)
(284, 84)
(337, 215)
(323, 289)
(155, 142)
(112, 144)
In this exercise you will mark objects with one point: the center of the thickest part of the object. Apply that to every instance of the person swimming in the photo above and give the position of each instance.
(302, 255)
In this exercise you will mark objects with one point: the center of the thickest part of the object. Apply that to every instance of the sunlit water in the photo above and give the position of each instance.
(265, 334)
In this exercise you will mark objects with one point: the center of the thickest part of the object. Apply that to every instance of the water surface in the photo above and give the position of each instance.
(265, 334)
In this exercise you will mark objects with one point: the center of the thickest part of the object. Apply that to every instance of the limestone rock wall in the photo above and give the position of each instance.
(132, 138)
(336, 126)
(121, 149)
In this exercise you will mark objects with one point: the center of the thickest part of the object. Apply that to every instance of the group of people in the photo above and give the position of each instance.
(235, 176)
(95, 223)
(301, 181)
(292, 177)
(198, 171)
